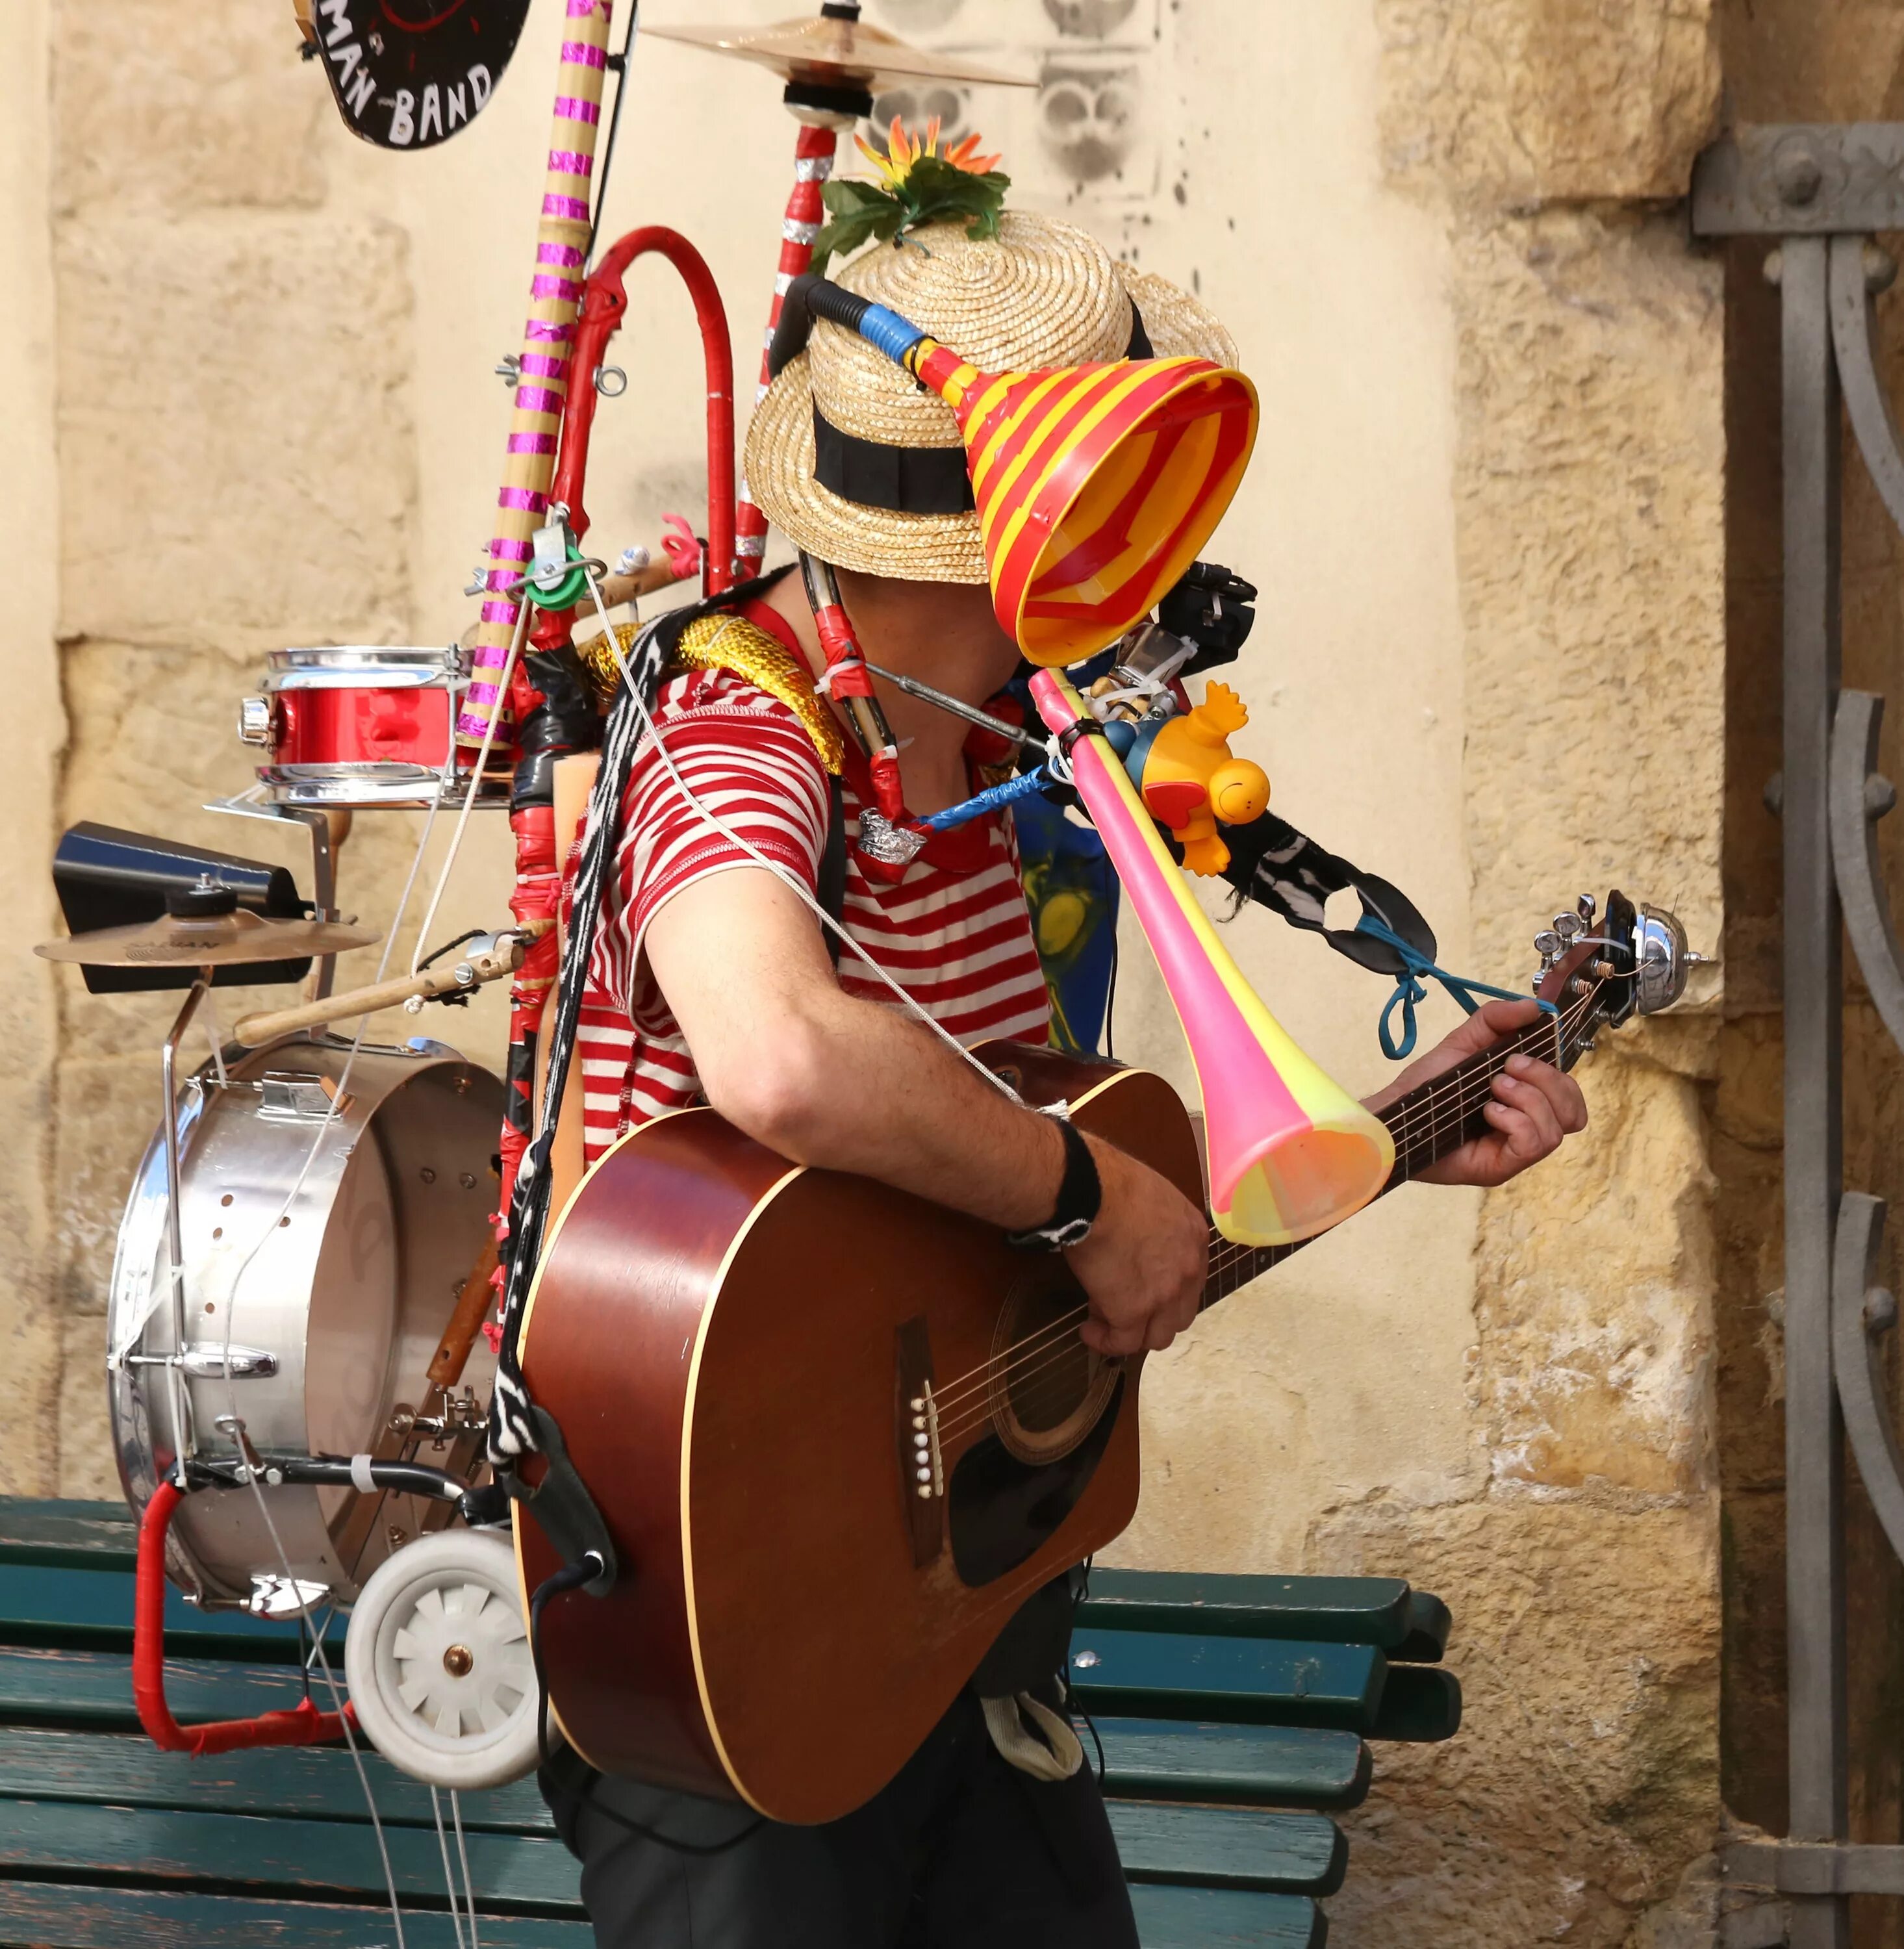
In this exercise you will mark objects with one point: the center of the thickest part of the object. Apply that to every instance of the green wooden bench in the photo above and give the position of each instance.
(1235, 1714)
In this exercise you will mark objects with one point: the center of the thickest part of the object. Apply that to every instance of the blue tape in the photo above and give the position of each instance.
(990, 799)
(891, 334)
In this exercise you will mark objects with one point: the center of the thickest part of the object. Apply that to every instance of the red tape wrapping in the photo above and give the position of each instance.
(303, 1725)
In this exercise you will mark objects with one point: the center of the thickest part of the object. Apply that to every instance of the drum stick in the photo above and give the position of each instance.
(459, 1336)
(504, 956)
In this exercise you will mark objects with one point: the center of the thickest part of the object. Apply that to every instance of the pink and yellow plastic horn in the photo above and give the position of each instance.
(1291, 1153)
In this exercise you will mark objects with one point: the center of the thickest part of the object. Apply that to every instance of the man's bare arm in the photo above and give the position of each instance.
(828, 1079)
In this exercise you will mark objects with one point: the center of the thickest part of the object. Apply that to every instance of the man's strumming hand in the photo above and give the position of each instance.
(1533, 1106)
(1143, 1265)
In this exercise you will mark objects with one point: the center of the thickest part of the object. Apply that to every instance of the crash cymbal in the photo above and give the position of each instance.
(836, 53)
(205, 940)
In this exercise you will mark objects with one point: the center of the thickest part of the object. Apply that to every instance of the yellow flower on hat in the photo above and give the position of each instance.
(904, 151)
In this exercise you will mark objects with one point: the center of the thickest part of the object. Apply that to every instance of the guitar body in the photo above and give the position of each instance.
(754, 1366)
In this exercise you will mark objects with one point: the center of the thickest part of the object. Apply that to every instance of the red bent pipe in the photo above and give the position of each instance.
(604, 302)
(303, 1725)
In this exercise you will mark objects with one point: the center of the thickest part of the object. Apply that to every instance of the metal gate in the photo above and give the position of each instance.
(1817, 194)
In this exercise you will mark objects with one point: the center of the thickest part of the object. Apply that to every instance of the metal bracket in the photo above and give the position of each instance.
(1816, 1867)
(1860, 1312)
(1801, 179)
(1856, 797)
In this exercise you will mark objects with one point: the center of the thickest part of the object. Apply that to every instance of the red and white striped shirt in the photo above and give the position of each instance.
(954, 933)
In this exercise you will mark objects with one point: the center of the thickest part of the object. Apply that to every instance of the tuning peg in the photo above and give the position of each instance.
(1588, 909)
(1569, 926)
(1548, 944)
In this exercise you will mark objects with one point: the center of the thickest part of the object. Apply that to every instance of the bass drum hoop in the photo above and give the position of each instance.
(413, 1138)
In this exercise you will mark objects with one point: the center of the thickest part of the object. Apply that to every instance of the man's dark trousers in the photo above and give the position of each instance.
(961, 1850)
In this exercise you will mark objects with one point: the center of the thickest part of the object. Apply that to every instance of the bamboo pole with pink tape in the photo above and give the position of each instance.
(562, 238)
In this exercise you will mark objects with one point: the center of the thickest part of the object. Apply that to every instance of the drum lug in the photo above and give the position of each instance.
(207, 1360)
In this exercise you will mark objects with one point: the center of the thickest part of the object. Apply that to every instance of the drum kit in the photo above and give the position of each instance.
(297, 1383)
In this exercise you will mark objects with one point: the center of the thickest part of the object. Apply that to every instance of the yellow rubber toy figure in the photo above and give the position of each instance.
(1190, 781)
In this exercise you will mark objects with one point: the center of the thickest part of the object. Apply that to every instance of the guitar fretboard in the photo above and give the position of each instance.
(1434, 1119)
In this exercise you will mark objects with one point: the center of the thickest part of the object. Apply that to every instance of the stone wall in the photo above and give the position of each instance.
(1487, 520)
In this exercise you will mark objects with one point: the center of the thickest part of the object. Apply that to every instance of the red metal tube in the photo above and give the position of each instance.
(604, 301)
(813, 157)
(302, 1725)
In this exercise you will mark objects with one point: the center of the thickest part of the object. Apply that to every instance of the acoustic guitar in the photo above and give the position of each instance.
(839, 1433)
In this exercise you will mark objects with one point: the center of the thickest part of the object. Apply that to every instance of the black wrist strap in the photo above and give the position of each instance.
(1079, 1195)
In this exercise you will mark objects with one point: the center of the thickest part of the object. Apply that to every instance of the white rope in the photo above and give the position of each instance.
(476, 785)
(463, 1854)
(773, 867)
(449, 1876)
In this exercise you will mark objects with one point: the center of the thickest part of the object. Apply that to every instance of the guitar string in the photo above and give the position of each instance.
(1407, 1132)
(1040, 1375)
(1229, 1256)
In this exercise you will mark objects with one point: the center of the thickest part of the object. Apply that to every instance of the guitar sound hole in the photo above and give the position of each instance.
(1048, 1388)
(1001, 1510)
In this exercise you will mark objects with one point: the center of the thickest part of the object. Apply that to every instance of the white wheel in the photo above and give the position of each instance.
(438, 1660)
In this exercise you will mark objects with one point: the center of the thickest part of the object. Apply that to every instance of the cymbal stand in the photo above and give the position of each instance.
(182, 1429)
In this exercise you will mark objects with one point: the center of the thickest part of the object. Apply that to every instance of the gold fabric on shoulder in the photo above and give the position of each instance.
(730, 642)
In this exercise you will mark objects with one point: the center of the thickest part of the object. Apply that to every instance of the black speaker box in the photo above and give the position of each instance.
(106, 877)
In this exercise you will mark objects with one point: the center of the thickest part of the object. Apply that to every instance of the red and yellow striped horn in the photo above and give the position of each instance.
(1095, 485)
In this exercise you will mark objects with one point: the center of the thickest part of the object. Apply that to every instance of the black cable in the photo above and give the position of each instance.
(472, 934)
(619, 63)
(1110, 997)
(571, 1577)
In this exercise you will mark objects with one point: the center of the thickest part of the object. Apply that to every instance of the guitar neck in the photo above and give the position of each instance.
(1434, 1119)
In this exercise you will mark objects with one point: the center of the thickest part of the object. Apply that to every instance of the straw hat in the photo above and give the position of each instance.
(1043, 294)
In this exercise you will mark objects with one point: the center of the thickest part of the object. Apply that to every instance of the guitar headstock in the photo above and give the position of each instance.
(1599, 969)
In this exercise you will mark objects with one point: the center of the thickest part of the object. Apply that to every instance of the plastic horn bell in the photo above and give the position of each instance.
(1291, 1153)
(1095, 485)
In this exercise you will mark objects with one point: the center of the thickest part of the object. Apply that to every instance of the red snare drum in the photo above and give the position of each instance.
(362, 726)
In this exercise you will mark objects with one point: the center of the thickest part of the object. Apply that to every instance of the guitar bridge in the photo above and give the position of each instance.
(922, 1468)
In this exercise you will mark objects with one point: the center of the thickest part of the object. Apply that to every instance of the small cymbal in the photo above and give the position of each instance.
(835, 52)
(208, 940)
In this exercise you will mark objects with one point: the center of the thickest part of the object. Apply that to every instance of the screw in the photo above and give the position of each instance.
(1799, 176)
(467, 1181)
(1880, 1310)
(403, 1418)
(458, 1660)
(1880, 268)
(428, 1175)
(1881, 796)
(395, 1534)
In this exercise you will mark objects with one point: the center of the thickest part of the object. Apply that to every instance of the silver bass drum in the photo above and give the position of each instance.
(321, 1263)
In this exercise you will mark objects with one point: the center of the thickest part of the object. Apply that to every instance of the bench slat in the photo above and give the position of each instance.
(317, 1782)
(1162, 1675)
(1265, 1766)
(92, 1609)
(229, 1852)
(78, 1536)
(51, 1915)
(1185, 1918)
(1319, 1610)
(1230, 1847)
(95, 1688)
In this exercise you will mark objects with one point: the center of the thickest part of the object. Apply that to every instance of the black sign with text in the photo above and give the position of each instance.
(407, 74)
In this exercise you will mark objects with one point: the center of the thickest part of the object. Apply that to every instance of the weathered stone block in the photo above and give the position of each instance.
(235, 440)
(1518, 102)
(1584, 1780)
(1594, 1278)
(1591, 546)
(183, 102)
